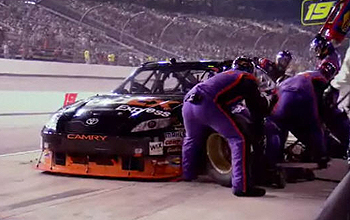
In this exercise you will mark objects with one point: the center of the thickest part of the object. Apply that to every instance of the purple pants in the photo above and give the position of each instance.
(201, 117)
(297, 113)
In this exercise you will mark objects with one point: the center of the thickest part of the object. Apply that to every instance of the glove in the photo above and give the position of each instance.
(330, 97)
(256, 61)
(281, 79)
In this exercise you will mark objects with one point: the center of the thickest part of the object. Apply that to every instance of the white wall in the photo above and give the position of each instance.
(67, 69)
(20, 100)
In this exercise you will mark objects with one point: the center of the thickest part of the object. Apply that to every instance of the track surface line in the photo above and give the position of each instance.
(19, 153)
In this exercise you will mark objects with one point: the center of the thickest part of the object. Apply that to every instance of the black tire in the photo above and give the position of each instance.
(218, 159)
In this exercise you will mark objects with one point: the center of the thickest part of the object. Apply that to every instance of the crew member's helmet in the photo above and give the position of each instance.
(283, 59)
(321, 47)
(243, 63)
(328, 70)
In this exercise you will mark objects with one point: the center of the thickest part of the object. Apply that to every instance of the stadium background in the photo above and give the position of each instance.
(136, 31)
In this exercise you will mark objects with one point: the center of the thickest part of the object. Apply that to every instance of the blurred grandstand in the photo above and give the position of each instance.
(134, 33)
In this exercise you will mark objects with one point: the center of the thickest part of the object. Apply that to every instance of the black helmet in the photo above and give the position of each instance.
(243, 63)
(321, 47)
(328, 70)
(283, 59)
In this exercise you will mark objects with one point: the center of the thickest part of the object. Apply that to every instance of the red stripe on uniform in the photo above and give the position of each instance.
(234, 100)
(231, 86)
(276, 105)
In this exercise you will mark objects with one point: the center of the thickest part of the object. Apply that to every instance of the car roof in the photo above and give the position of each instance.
(206, 64)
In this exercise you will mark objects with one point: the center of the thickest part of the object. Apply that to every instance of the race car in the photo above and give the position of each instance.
(134, 132)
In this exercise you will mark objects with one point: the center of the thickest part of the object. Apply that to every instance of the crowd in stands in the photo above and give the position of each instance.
(32, 31)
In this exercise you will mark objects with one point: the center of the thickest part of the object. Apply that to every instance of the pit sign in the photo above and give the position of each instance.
(315, 12)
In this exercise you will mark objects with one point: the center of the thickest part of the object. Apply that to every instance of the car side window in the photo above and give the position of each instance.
(202, 75)
(170, 84)
(146, 78)
(164, 81)
(141, 83)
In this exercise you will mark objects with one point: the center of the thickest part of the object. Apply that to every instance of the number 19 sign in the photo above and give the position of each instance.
(315, 12)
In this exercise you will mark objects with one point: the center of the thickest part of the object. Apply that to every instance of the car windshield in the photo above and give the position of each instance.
(163, 81)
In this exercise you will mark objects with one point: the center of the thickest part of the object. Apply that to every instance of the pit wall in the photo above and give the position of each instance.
(44, 68)
(44, 102)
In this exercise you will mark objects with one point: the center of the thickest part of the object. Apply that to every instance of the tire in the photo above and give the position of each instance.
(218, 163)
(218, 152)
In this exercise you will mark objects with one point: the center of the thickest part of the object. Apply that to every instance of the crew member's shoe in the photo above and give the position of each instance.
(323, 162)
(271, 177)
(295, 174)
(276, 177)
(251, 192)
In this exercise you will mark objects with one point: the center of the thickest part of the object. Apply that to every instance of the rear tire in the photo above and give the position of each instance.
(218, 155)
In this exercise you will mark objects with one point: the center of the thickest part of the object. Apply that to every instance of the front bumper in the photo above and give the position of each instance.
(117, 157)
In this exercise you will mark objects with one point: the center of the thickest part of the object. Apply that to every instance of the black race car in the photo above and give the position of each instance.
(135, 132)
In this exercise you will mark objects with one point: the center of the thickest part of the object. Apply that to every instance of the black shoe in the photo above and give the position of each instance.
(309, 174)
(277, 177)
(296, 174)
(251, 192)
(272, 177)
(323, 163)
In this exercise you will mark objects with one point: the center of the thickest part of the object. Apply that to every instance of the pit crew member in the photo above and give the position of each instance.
(208, 106)
(277, 69)
(299, 110)
(336, 120)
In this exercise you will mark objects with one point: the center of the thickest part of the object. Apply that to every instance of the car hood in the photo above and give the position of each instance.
(134, 106)
(106, 113)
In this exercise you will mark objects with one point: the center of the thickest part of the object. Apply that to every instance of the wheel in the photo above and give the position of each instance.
(219, 159)
(218, 152)
(295, 152)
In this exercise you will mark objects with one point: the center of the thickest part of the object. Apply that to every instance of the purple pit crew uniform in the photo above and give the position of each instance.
(211, 110)
(335, 119)
(297, 111)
